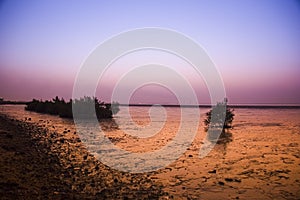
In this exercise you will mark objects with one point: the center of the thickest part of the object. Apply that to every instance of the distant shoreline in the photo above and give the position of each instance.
(209, 106)
(255, 106)
(13, 102)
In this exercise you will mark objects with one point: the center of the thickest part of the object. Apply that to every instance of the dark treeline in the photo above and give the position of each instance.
(83, 107)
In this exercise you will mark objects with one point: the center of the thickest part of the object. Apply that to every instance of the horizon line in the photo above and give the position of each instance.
(272, 105)
(237, 105)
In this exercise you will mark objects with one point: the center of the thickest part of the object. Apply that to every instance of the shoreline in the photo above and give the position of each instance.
(34, 165)
(246, 106)
(258, 106)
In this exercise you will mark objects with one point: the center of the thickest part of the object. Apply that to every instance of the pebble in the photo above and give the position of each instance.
(221, 183)
(212, 171)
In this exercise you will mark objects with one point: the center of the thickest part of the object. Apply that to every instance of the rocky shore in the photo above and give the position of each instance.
(36, 163)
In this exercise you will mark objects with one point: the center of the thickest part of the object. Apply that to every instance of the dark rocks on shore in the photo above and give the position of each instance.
(42, 168)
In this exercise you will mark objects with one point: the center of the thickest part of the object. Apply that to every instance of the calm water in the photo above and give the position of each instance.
(261, 161)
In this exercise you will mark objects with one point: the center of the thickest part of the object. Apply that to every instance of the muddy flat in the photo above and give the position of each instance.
(260, 161)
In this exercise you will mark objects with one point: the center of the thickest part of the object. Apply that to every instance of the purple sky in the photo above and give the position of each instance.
(254, 44)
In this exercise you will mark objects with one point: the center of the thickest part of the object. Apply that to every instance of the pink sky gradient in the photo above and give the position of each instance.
(254, 44)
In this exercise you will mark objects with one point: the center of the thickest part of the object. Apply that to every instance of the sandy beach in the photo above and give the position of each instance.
(43, 157)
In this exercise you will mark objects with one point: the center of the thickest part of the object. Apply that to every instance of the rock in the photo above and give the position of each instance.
(8, 135)
(221, 183)
(232, 179)
(212, 171)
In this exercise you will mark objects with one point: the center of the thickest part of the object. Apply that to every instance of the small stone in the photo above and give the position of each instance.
(8, 135)
(212, 171)
(221, 183)
(228, 179)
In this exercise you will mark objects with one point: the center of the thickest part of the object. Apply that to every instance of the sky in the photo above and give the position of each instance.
(255, 46)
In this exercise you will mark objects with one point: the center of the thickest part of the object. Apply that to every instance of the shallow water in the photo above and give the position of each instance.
(262, 161)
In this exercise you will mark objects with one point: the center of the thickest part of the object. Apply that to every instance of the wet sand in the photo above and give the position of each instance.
(260, 162)
(35, 164)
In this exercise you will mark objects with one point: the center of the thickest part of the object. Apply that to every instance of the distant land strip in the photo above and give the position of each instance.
(13, 102)
(209, 106)
(256, 106)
